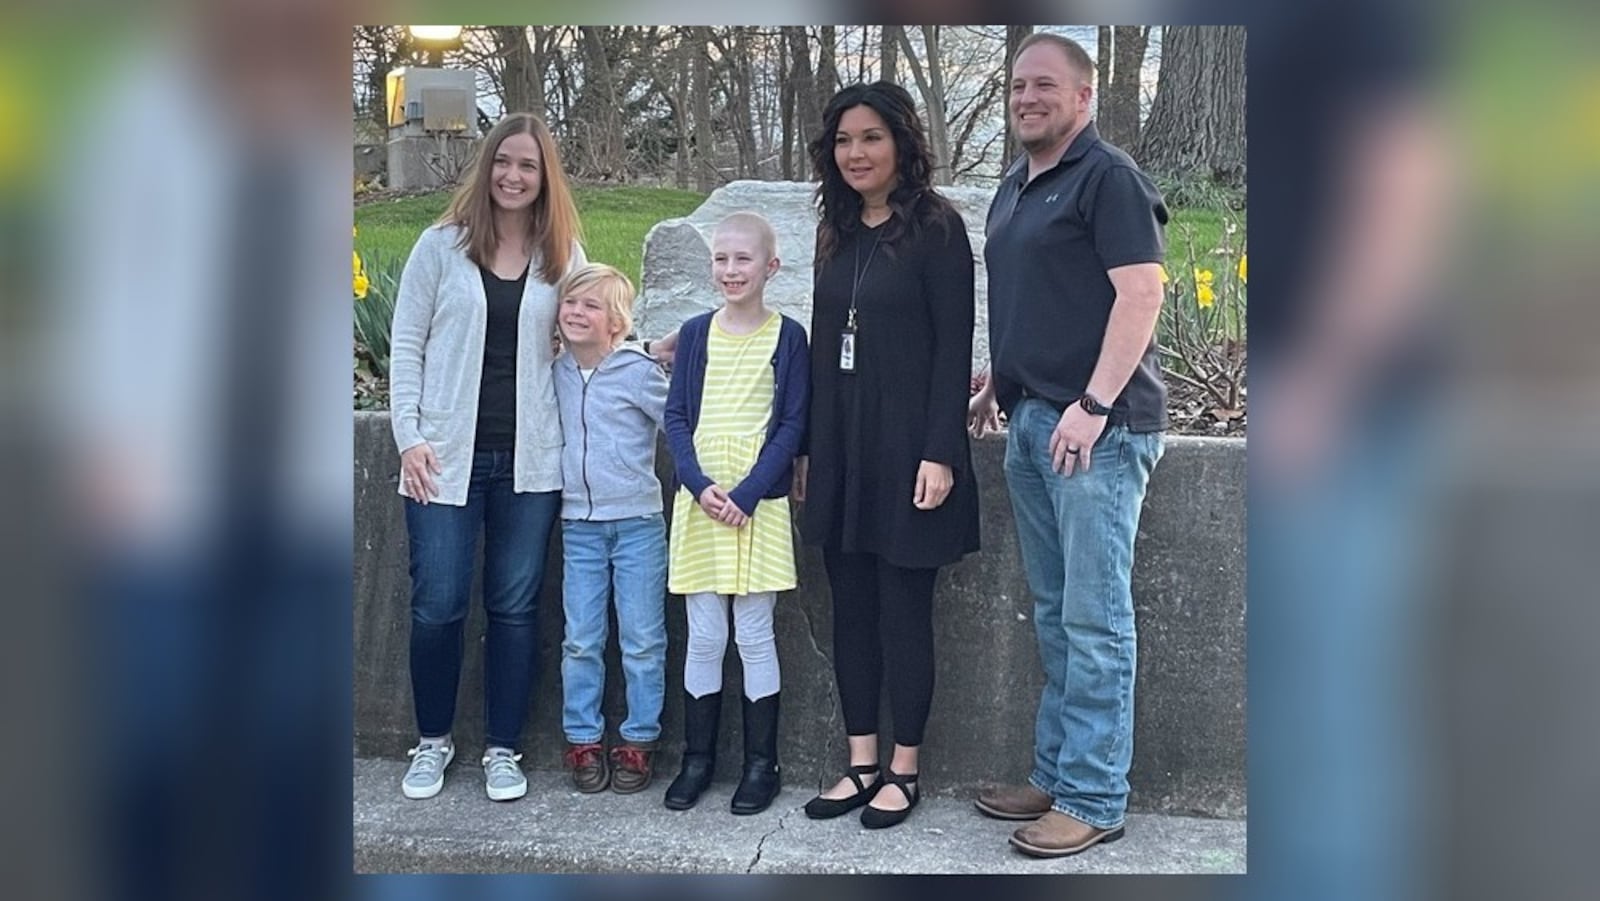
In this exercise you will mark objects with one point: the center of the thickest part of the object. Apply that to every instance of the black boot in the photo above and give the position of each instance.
(700, 718)
(760, 782)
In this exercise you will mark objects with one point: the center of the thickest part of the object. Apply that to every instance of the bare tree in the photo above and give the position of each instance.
(683, 58)
(1196, 124)
(827, 63)
(522, 77)
(1121, 57)
(929, 75)
(889, 52)
(734, 75)
(705, 168)
(596, 130)
(807, 104)
(377, 49)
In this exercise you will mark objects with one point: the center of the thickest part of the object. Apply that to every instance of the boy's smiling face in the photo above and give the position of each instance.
(586, 321)
(741, 264)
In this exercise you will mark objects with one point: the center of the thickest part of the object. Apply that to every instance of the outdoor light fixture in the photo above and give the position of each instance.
(434, 40)
(446, 37)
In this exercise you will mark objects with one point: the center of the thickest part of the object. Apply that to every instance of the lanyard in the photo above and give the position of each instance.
(860, 272)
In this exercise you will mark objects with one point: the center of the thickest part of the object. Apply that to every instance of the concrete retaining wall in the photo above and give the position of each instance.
(1189, 591)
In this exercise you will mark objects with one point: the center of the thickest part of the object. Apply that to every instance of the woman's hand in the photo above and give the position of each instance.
(418, 466)
(983, 412)
(933, 485)
(664, 348)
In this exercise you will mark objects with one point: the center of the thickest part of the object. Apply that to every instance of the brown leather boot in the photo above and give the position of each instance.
(631, 766)
(1013, 802)
(1057, 835)
(587, 763)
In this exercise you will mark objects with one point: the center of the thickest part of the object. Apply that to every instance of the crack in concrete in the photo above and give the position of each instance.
(827, 734)
(762, 843)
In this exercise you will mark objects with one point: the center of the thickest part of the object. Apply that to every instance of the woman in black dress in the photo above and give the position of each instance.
(888, 487)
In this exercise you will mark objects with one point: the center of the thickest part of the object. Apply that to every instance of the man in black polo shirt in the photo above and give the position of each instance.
(1074, 256)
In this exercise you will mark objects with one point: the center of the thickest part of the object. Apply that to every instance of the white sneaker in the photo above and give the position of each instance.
(502, 778)
(426, 774)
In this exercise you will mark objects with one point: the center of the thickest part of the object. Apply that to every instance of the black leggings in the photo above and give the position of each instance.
(874, 599)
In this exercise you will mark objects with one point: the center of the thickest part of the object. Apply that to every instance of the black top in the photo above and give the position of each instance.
(1050, 242)
(905, 403)
(497, 394)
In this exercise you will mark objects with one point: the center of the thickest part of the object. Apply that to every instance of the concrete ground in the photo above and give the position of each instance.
(556, 829)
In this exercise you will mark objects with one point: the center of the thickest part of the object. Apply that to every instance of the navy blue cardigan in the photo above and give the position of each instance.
(773, 471)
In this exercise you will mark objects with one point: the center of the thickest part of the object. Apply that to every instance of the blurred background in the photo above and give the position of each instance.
(175, 217)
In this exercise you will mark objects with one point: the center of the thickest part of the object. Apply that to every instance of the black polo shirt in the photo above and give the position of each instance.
(1050, 242)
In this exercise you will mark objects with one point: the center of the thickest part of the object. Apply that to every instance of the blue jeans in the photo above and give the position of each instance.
(625, 562)
(1076, 536)
(516, 538)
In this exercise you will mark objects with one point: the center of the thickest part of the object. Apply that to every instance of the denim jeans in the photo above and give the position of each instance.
(625, 562)
(516, 538)
(1076, 535)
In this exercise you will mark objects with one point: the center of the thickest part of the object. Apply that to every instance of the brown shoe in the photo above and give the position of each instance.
(1013, 802)
(631, 766)
(587, 762)
(1057, 835)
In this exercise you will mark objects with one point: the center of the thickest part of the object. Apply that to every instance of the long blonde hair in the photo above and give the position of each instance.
(553, 218)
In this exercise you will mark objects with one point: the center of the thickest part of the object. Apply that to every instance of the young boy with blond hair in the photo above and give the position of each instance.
(611, 395)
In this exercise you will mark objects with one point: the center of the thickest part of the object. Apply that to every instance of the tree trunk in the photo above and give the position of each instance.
(807, 108)
(1014, 36)
(1196, 124)
(705, 166)
(522, 82)
(680, 109)
(930, 83)
(889, 52)
(827, 65)
(739, 105)
(786, 116)
(1121, 54)
(598, 127)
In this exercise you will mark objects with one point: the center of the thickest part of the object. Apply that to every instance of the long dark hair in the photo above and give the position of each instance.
(913, 201)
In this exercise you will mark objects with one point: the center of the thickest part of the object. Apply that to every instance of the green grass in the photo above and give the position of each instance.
(615, 221)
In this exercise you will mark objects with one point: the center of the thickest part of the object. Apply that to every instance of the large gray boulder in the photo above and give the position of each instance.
(677, 256)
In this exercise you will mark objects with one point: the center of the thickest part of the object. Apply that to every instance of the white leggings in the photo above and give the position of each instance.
(708, 641)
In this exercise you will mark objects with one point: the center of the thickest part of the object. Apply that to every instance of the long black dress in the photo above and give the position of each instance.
(906, 401)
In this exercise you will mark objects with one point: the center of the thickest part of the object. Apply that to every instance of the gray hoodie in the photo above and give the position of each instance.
(609, 425)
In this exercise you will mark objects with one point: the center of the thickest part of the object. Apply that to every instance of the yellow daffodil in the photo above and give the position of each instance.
(1163, 271)
(358, 282)
(1243, 259)
(1203, 294)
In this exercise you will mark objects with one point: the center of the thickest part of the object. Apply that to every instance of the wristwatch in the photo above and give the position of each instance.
(1092, 406)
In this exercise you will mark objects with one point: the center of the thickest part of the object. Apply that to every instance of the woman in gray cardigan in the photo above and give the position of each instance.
(475, 420)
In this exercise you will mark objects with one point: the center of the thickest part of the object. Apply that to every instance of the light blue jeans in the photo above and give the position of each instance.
(623, 562)
(1076, 536)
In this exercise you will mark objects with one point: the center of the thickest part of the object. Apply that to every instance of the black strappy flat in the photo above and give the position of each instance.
(820, 808)
(876, 818)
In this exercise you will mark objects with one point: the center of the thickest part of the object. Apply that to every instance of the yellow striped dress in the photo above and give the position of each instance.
(735, 408)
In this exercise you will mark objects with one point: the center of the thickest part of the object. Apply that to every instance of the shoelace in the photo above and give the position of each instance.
(583, 755)
(627, 758)
(426, 759)
(502, 764)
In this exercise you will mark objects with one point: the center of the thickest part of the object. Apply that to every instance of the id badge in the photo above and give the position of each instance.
(847, 350)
